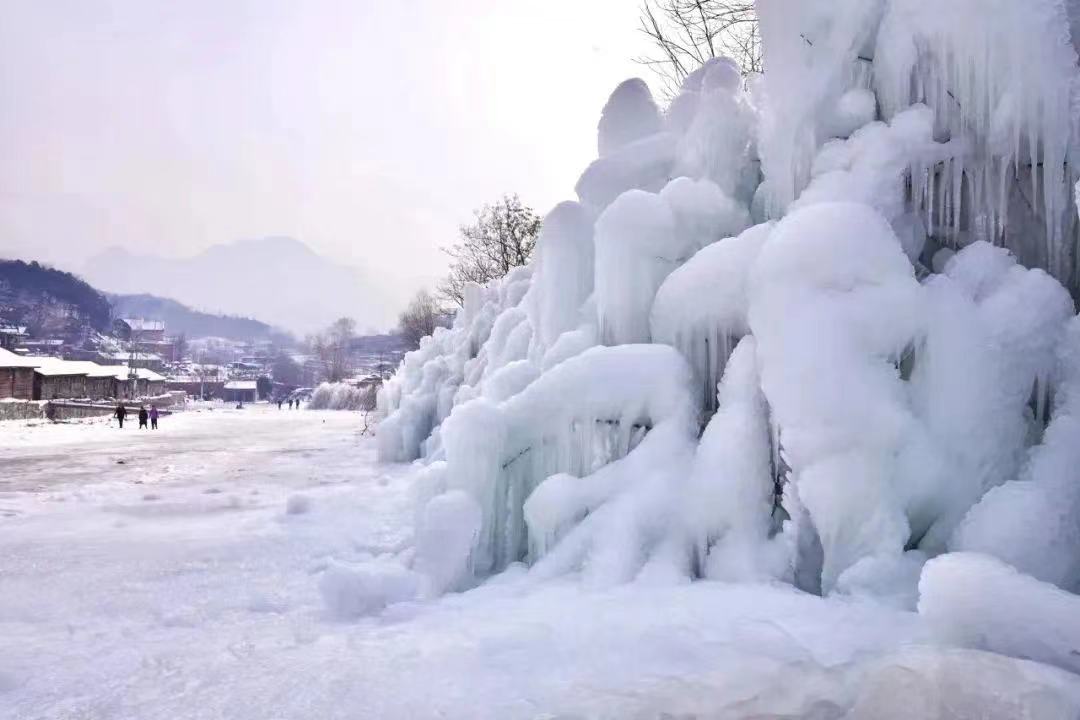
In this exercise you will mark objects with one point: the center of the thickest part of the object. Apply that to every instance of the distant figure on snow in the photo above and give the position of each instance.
(290, 403)
(279, 401)
(142, 417)
(121, 413)
(153, 417)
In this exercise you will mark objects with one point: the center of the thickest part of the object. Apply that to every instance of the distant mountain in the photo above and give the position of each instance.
(49, 301)
(179, 318)
(278, 280)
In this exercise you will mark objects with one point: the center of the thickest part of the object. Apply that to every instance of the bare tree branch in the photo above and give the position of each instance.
(687, 33)
(501, 238)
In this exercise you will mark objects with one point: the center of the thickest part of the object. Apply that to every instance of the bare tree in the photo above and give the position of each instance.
(334, 348)
(180, 347)
(502, 238)
(687, 33)
(286, 371)
(420, 318)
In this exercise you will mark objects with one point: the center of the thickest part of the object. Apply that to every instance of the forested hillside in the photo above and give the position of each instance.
(49, 301)
(179, 318)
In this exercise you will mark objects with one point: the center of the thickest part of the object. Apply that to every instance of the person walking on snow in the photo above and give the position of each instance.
(153, 417)
(121, 413)
(290, 403)
(142, 417)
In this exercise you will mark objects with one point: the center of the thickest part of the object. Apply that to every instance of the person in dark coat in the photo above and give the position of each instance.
(121, 413)
(153, 417)
(143, 416)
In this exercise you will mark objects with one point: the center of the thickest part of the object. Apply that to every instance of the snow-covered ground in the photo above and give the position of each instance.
(163, 575)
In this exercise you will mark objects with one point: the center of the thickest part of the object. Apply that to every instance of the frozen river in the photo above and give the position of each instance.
(154, 576)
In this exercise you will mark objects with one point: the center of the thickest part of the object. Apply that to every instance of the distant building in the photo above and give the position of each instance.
(11, 336)
(42, 346)
(244, 369)
(151, 361)
(240, 391)
(139, 330)
(147, 338)
(16, 376)
(207, 388)
(142, 382)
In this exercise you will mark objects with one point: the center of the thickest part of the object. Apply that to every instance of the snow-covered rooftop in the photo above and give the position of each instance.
(240, 385)
(121, 372)
(9, 359)
(55, 367)
(91, 369)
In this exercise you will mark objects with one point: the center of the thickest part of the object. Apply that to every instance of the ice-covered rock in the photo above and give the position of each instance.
(974, 600)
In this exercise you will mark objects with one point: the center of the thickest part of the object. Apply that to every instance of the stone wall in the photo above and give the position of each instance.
(21, 410)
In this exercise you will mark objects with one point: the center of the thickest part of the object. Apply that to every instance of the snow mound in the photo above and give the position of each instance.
(977, 601)
(350, 592)
(297, 505)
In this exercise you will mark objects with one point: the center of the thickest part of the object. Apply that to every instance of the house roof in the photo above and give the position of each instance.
(120, 372)
(55, 367)
(241, 385)
(92, 369)
(147, 374)
(9, 359)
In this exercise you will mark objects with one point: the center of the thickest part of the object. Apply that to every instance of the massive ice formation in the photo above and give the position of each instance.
(820, 332)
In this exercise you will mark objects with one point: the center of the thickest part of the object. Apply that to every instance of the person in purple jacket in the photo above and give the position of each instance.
(153, 417)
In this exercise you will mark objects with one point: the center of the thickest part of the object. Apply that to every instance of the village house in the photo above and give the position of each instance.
(55, 379)
(151, 383)
(147, 360)
(240, 391)
(16, 376)
(11, 336)
(148, 339)
(139, 330)
(99, 382)
(196, 387)
(41, 347)
(142, 382)
(50, 378)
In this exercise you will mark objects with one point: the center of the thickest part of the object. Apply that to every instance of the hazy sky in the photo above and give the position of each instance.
(369, 129)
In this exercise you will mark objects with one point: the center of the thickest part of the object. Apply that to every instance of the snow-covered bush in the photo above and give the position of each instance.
(340, 396)
(837, 338)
